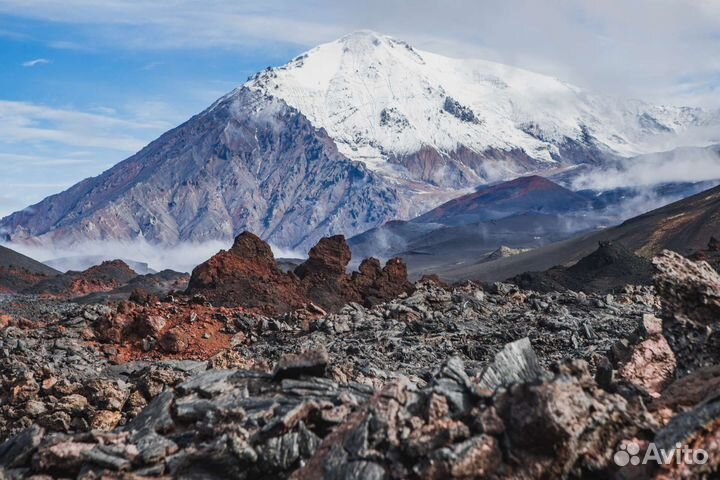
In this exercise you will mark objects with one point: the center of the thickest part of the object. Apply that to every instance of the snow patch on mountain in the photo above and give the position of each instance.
(381, 99)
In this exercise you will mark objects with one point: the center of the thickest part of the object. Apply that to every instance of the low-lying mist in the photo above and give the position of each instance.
(182, 257)
(682, 165)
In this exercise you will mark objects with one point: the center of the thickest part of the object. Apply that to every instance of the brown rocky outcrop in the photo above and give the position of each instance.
(329, 257)
(378, 285)
(247, 275)
(710, 254)
(690, 293)
(105, 277)
(322, 275)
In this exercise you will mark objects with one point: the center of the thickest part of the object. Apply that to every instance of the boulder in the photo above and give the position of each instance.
(690, 297)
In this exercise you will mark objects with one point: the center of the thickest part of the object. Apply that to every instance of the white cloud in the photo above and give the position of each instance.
(646, 48)
(68, 45)
(182, 257)
(36, 62)
(687, 164)
(29, 122)
(44, 150)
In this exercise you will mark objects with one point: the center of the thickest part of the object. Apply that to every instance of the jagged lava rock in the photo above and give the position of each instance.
(247, 275)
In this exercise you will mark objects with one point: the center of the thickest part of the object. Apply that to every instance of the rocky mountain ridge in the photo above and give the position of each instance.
(342, 139)
(429, 121)
(248, 162)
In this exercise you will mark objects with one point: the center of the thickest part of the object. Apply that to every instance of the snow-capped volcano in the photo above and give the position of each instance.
(416, 116)
(342, 139)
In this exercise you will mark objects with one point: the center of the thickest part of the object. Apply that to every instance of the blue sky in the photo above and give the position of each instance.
(85, 83)
(71, 108)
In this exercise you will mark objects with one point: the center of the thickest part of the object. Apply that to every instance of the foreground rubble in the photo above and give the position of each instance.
(442, 382)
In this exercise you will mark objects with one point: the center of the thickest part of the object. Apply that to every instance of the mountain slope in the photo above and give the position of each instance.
(248, 162)
(524, 194)
(351, 134)
(18, 272)
(608, 269)
(12, 259)
(527, 212)
(685, 226)
(416, 116)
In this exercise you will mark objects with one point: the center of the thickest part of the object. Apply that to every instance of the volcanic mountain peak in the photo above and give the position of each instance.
(406, 113)
(343, 138)
(519, 187)
(248, 162)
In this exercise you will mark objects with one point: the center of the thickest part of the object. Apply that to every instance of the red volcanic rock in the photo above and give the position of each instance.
(248, 257)
(150, 324)
(174, 340)
(322, 275)
(100, 278)
(247, 245)
(248, 276)
(329, 257)
(376, 285)
(326, 283)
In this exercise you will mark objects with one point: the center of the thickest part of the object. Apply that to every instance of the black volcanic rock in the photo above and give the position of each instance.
(684, 226)
(447, 382)
(19, 272)
(608, 269)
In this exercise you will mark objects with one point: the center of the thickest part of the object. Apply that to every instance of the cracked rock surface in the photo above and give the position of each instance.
(441, 382)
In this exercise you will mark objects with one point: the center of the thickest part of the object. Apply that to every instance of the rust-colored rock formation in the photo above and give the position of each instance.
(247, 275)
(99, 278)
